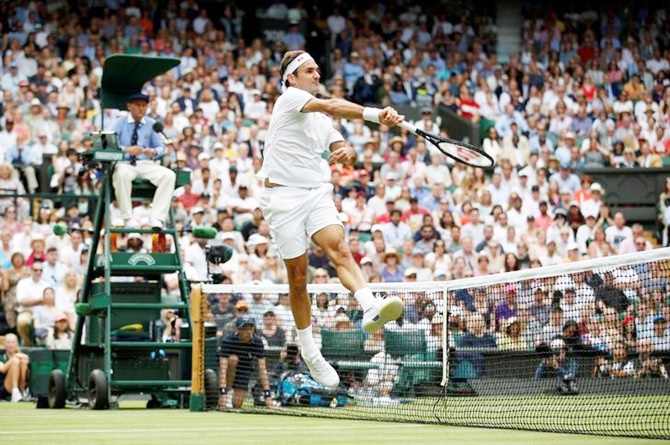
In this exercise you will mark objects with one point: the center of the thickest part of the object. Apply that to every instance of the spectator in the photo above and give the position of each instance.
(44, 316)
(636, 242)
(554, 328)
(54, 270)
(476, 336)
(510, 336)
(29, 295)
(660, 338)
(395, 231)
(608, 295)
(14, 366)
(10, 278)
(618, 232)
(423, 273)
(271, 332)
(565, 179)
(647, 158)
(61, 336)
(507, 308)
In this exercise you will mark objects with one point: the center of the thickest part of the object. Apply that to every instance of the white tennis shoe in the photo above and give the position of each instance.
(322, 372)
(383, 311)
(16, 395)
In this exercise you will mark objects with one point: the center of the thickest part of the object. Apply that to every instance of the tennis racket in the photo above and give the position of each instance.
(459, 151)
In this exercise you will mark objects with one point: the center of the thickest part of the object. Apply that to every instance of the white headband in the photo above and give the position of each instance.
(294, 65)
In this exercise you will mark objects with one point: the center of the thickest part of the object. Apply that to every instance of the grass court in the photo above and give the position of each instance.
(132, 424)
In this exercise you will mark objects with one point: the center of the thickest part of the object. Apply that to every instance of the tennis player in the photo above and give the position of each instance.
(298, 204)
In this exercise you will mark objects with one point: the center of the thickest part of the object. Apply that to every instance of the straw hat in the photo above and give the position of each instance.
(36, 237)
(396, 139)
(391, 251)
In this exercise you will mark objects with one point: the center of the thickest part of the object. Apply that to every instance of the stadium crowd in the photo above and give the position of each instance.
(588, 89)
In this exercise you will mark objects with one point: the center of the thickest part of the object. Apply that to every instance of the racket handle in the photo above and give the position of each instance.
(408, 126)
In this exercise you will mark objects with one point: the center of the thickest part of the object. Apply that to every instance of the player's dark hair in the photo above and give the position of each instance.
(286, 60)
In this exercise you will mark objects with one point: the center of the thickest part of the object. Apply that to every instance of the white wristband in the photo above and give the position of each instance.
(371, 114)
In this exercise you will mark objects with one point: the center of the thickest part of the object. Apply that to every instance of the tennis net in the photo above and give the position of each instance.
(574, 348)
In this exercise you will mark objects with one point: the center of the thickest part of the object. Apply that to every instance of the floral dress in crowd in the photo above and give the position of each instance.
(9, 303)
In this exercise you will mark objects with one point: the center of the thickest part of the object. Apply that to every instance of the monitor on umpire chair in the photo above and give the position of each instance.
(105, 140)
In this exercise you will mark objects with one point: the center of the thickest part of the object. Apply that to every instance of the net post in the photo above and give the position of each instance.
(198, 307)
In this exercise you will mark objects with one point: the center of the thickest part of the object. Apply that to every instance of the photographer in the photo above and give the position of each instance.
(619, 366)
(648, 364)
(289, 360)
(67, 185)
(556, 363)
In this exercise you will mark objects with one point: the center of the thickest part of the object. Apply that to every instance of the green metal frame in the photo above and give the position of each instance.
(124, 75)
(101, 305)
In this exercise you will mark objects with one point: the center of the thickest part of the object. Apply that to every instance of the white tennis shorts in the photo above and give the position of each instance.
(295, 214)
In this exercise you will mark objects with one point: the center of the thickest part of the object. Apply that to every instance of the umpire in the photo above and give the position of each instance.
(237, 353)
(142, 146)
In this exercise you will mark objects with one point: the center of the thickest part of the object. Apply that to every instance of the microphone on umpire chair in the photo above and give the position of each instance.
(158, 128)
(218, 254)
(215, 254)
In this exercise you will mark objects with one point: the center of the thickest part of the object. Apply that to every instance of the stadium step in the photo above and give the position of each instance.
(509, 21)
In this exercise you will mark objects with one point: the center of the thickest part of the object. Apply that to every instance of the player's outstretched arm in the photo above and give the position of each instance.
(343, 109)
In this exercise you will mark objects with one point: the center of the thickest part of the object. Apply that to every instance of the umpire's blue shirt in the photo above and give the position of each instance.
(146, 136)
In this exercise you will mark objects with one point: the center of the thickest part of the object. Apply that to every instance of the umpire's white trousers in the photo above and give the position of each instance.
(163, 178)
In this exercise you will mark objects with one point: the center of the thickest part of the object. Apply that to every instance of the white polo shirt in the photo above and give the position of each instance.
(28, 288)
(295, 142)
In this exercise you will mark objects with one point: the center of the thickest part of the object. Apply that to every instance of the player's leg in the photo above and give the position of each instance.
(331, 240)
(325, 229)
(286, 210)
(122, 179)
(301, 307)
(296, 271)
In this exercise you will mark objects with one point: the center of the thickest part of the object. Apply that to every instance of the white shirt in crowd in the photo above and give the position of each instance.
(614, 236)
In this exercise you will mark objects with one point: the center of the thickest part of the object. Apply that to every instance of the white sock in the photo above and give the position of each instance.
(365, 298)
(306, 339)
